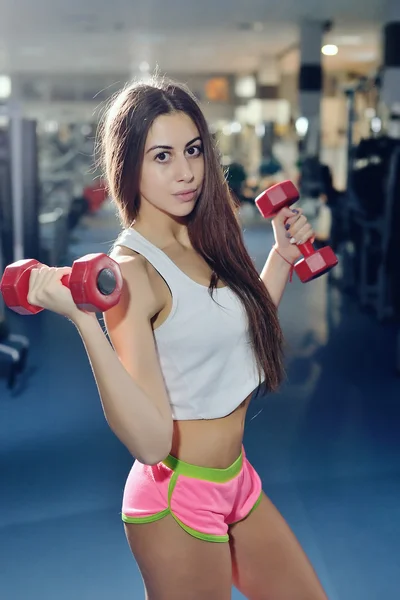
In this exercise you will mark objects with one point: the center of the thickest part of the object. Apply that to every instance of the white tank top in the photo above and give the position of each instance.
(204, 348)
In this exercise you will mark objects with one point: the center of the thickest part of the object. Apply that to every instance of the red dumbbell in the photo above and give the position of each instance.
(315, 262)
(95, 283)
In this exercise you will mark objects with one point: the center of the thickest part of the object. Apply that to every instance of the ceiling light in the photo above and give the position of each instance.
(245, 87)
(260, 130)
(301, 126)
(236, 127)
(330, 50)
(376, 125)
(5, 86)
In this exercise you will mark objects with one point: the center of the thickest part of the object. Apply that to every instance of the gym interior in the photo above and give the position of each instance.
(287, 97)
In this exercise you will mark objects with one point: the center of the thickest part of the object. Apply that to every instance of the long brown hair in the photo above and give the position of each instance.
(213, 227)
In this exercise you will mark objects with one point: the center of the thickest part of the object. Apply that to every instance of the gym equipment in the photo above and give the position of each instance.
(19, 169)
(369, 247)
(315, 262)
(13, 347)
(311, 178)
(377, 247)
(95, 283)
(367, 91)
(370, 168)
(6, 209)
(14, 353)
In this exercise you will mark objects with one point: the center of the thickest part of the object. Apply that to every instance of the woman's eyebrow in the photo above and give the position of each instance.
(161, 147)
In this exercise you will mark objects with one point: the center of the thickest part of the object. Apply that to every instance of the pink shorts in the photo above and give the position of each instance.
(203, 501)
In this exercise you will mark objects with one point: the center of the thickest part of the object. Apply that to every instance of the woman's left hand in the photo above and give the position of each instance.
(290, 228)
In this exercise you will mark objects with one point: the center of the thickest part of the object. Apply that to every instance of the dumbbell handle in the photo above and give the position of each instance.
(66, 278)
(307, 249)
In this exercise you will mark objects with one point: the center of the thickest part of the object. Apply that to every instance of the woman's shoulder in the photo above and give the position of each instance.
(138, 275)
(121, 253)
(129, 261)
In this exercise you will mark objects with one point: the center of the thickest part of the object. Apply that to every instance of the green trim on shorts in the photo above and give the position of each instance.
(204, 473)
(148, 519)
(206, 537)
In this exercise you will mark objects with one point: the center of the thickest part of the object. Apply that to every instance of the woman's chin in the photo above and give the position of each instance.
(182, 209)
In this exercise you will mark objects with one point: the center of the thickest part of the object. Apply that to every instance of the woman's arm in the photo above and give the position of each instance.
(129, 378)
(275, 276)
(290, 228)
(131, 413)
(128, 375)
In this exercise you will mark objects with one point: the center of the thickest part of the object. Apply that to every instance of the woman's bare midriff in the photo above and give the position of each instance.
(214, 443)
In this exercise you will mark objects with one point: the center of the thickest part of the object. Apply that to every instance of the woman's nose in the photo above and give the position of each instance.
(184, 170)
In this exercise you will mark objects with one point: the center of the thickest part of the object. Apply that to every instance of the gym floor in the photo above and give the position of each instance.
(326, 446)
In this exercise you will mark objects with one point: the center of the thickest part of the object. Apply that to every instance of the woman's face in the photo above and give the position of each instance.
(173, 165)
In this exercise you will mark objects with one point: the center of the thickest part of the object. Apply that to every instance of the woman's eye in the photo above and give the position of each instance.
(162, 156)
(194, 150)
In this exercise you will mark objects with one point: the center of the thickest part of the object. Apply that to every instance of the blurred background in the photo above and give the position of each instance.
(307, 91)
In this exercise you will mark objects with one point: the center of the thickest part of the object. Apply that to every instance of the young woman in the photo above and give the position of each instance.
(195, 334)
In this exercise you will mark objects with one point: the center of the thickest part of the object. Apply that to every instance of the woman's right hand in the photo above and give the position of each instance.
(47, 291)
